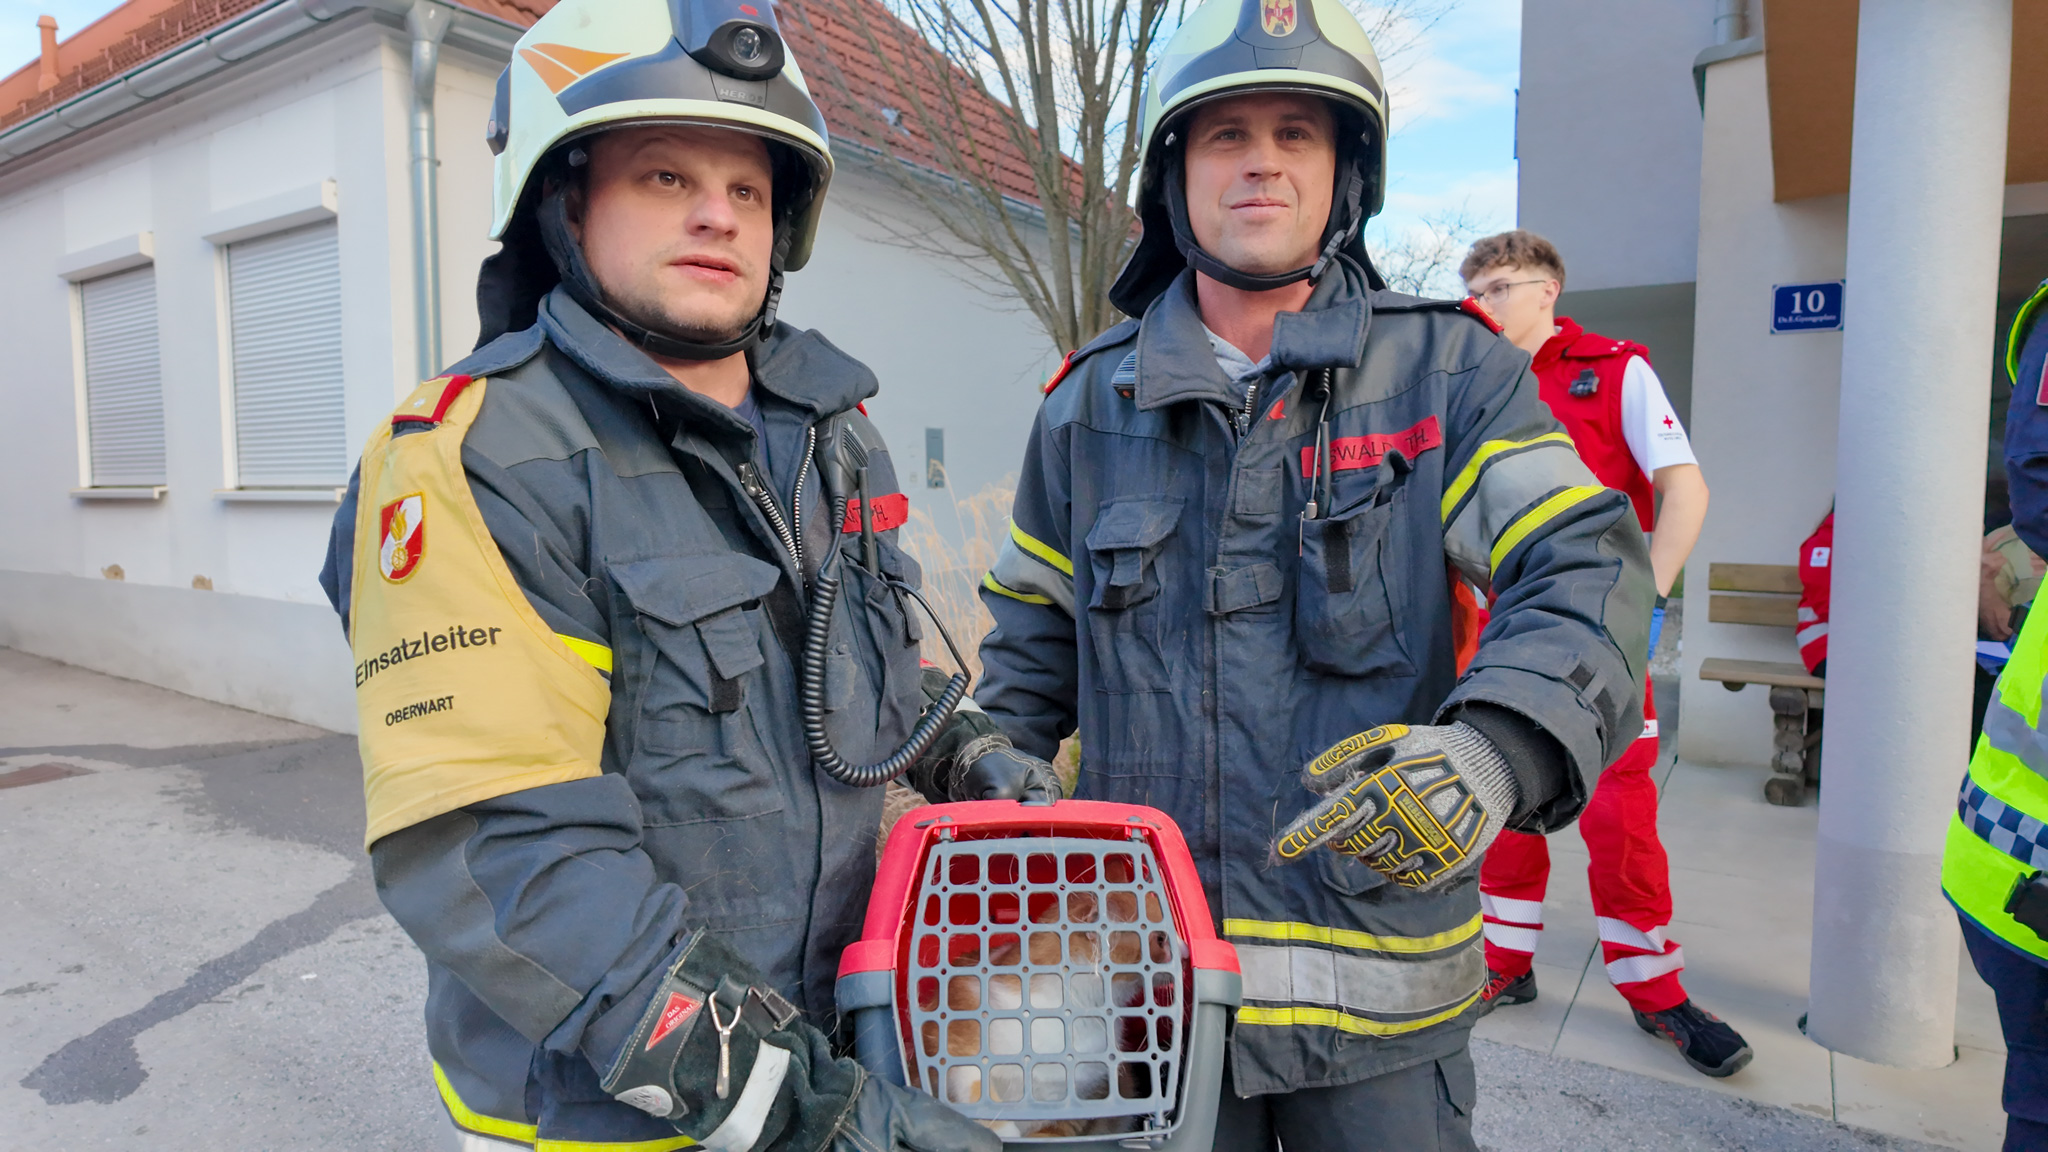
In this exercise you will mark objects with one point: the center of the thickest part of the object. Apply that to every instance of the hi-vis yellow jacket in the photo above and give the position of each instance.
(1999, 834)
(573, 633)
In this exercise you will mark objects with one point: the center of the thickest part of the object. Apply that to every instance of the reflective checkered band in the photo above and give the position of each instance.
(2002, 826)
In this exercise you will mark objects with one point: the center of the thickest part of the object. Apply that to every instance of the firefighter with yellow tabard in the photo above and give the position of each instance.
(631, 629)
(1998, 841)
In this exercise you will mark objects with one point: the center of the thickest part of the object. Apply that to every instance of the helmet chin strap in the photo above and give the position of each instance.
(1335, 237)
(671, 344)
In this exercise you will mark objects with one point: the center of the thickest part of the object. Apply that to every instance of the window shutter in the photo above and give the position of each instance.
(124, 400)
(284, 306)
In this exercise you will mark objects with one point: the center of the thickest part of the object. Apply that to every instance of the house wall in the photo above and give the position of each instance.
(333, 106)
(1607, 132)
(951, 350)
(263, 637)
(1763, 405)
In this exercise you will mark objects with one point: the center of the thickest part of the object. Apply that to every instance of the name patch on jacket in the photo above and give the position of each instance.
(1349, 452)
(891, 511)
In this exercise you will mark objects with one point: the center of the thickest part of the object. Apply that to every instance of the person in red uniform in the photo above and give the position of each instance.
(1816, 558)
(1611, 403)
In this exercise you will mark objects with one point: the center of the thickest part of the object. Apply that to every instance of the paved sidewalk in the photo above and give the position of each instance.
(194, 959)
(1742, 884)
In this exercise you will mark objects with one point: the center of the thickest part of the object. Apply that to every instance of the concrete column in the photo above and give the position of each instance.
(1926, 185)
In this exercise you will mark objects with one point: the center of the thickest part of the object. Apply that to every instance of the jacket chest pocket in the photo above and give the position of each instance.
(1344, 623)
(872, 697)
(1126, 621)
(697, 755)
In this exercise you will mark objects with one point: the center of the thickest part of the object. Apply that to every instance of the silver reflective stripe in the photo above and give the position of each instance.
(1016, 570)
(2010, 733)
(1507, 485)
(1366, 985)
(743, 1124)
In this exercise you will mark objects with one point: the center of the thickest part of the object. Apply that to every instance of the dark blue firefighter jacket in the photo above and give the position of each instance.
(1162, 594)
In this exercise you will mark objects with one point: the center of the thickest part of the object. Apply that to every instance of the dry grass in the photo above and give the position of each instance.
(954, 558)
(955, 549)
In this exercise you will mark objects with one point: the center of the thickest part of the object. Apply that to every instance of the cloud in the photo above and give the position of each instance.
(1487, 196)
(1435, 86)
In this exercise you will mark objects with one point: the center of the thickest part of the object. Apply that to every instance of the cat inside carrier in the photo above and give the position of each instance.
(1049, 970)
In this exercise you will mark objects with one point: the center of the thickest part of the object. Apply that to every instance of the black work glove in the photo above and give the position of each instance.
(1418, 805)
(887, 1118)
(971, 759)
(1004, 773)
(730, 1062)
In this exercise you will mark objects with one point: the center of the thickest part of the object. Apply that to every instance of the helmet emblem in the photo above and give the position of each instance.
(405, 536)
(559, 65)
(1277, 16)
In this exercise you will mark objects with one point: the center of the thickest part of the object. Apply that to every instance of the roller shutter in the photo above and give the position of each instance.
(284, 304)
(124, 401)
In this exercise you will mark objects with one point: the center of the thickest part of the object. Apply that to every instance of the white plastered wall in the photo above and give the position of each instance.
(950, 349)
(1763, 406)
(1608, 136)
(263, 637)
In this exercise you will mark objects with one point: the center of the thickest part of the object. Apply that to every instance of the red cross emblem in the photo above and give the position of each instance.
(1667, 421)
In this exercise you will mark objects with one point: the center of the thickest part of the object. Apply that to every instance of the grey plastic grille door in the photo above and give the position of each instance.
(124, 397)
(284, 314)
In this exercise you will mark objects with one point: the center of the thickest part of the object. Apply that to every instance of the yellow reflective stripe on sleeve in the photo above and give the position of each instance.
(1040, 549)
(1487, 451)
(1346, 938)
(666, 1144)
(992, 584)
(596, 655)
(1536, 518)
(473, 1121)
(1345, 1021)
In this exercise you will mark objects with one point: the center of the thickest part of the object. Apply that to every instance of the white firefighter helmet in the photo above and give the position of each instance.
(591, 65)
(1229, 48)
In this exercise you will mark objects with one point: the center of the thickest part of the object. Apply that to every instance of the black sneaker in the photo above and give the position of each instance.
(1506, 990)
(1706, 1043)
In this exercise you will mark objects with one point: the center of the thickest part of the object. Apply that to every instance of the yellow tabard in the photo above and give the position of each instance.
(463, 692)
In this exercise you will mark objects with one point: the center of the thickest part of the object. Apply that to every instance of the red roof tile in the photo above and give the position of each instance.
(836, 41)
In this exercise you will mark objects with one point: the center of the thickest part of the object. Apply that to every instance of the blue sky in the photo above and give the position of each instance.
(19, 40)
(1454, 115)
(1453, 111)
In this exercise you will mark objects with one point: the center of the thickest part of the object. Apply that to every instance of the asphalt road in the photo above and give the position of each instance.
(193, 956)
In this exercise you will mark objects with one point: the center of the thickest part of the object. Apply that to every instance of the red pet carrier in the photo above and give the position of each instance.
(1050, 970)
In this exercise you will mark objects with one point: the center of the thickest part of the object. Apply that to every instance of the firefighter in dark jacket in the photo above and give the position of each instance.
(1232, 554)
(578, 574)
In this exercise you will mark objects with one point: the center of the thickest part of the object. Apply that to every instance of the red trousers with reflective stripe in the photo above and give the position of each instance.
(1629, 876)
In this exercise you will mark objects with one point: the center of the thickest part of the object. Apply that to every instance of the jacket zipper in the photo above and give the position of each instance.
(792, 541)
(1251, 397)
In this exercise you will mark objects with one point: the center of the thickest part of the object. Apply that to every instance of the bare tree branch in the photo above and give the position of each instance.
(1423, 261)
(1014, 126)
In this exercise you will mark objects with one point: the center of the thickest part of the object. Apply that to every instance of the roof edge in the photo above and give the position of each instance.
(246, 36)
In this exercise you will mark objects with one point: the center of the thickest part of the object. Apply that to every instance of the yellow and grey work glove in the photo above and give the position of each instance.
(1418, 805)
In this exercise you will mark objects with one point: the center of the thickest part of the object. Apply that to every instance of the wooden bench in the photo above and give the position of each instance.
(1767, 596)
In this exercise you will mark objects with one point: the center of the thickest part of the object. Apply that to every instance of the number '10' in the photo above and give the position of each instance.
(1814, 301)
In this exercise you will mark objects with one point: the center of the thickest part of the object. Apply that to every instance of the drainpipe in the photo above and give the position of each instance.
(1731, 21)
(428, 23)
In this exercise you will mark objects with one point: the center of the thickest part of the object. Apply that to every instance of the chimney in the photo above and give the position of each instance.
(48, 79)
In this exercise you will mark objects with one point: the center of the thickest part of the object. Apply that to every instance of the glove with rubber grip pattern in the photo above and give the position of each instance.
(1418, 805)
